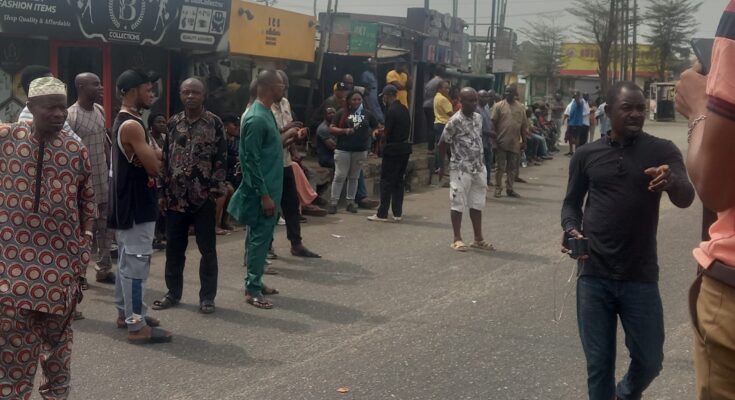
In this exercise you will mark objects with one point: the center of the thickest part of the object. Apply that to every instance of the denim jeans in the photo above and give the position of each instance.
(348, 165)
(638, 304)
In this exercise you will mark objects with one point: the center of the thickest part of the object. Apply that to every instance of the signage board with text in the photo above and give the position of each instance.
(199, 24)
(271, 32)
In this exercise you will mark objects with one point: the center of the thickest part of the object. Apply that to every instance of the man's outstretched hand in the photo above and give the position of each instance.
(661, 178)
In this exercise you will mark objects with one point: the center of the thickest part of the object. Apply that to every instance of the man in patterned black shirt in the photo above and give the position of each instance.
(193, 173)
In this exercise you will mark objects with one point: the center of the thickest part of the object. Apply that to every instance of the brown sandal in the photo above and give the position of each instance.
(267, 291)
(258, 302)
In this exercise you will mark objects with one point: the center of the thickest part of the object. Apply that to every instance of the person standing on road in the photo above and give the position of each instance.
(557, 116)
(709, 104)
(353, 127)
(622, 179)
(193, 173)
(396, 152)
(135, 163)
(290, 132)
(509, 136)
(45, 246)
(430, 89)
(87, 119)
(371, 90)
(399, 78)
(467, 173)
(577, 116)
(443, 110)
(254, 202)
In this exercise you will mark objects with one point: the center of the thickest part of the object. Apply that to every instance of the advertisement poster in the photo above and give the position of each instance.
(198, 24)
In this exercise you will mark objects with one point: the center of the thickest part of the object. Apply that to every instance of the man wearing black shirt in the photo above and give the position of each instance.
(395, 156)
(622, 177)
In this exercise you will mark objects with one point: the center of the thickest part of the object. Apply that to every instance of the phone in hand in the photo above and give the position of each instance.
(577, 247)
(703, 50)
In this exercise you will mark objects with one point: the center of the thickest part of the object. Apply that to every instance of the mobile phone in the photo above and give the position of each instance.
(703, 50)
(577, 247)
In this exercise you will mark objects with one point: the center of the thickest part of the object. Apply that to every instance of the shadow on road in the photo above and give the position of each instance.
(184, 347)
(323, 272)
(326, 311)
(530, 259)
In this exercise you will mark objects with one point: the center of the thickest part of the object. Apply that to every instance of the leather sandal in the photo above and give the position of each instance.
(164, 303)
(258, 302)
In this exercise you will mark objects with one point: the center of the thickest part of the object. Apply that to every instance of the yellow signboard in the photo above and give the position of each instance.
(581, 59)
(271, 32)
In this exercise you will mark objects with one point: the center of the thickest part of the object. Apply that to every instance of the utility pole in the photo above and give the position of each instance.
(635, 40)
(474, 21)
(627, 39)
(323, 38)
(426, 4)
(493, 17)
(455, 7)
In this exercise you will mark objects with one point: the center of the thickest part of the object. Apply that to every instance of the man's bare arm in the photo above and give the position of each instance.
(133, 139)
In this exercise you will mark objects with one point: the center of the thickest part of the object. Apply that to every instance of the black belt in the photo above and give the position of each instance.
(721, 272)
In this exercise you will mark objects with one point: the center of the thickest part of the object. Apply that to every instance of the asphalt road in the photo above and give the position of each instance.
(390, 312)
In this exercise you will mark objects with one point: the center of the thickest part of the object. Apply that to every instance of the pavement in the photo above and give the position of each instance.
(391, 312)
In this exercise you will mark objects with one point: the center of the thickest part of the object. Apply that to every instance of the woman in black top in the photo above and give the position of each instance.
(353, 128)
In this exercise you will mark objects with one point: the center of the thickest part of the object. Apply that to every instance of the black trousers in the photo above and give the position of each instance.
(177, 235)
(392, 184)
(290, 207)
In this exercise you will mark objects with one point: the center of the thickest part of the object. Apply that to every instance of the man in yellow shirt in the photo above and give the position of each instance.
(443, 110)
(399, 78)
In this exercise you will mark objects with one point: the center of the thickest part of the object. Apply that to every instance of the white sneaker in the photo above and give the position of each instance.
(376, 218)
(397, 219)
(281, 221)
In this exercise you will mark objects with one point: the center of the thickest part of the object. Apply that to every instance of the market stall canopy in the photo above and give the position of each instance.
(195, 24)
(271, 32)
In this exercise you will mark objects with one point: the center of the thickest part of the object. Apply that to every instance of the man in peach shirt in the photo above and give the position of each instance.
(709, 104)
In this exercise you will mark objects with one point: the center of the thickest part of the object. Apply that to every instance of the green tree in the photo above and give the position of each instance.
(671, 26)
(596, 22)
(542, 53)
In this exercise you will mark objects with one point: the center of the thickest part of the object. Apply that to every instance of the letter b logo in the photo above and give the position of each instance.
(128, 10)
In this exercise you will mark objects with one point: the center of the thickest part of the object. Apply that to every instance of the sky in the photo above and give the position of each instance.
(519, 12)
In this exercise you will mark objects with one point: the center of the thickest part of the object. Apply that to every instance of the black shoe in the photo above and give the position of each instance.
(367, 204)
(105, 276)
(352, 208)
(332, 209)
(513, 193)
(159, 245)
(520, 180)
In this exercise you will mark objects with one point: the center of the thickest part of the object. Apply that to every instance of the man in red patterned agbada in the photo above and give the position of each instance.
(46, 214)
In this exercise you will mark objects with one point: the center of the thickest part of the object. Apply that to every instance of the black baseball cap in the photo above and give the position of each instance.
(132, 78)
(389, 90)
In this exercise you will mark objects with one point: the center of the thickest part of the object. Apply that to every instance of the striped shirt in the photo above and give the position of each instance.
(721, 101)
(90, 126)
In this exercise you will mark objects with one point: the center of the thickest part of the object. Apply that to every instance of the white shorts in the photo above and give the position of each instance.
(467, 190)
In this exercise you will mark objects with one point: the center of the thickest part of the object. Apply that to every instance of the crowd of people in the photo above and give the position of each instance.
(71, 189)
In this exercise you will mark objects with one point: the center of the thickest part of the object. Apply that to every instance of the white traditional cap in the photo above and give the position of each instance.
(46, 86)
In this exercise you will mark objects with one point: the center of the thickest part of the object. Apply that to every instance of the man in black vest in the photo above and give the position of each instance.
(136, 160)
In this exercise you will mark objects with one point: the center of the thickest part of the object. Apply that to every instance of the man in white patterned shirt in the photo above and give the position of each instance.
(467, 172)
(87, 119)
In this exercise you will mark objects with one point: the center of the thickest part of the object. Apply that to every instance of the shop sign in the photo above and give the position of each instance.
(363, 38)
(167, 23)
(271, 32)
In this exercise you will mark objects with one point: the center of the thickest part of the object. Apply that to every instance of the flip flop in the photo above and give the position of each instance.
(258, 302)
(164, 303)
(459, 246)
(221, 232)
(483, 245)
(150, 321)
